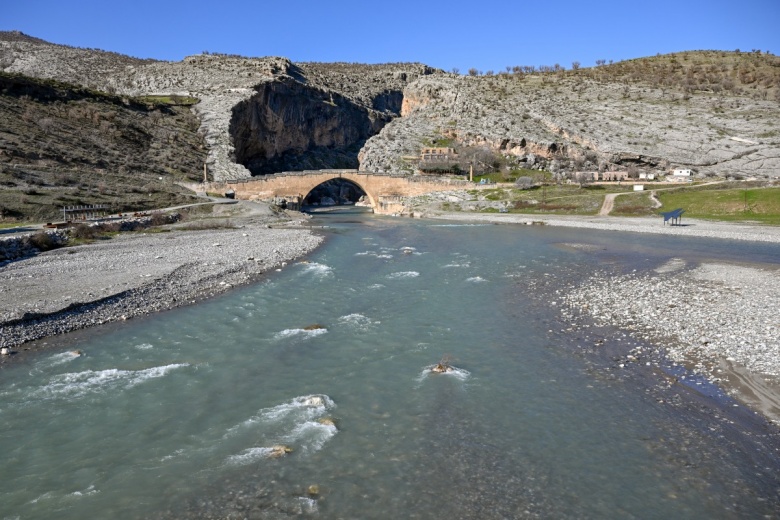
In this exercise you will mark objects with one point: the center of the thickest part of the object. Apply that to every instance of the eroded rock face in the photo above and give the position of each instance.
(291, 126)
(575, 122)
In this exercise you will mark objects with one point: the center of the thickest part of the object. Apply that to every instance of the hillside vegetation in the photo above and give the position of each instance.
(63, 145)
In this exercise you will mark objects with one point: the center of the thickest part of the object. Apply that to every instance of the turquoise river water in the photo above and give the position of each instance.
(176, 415)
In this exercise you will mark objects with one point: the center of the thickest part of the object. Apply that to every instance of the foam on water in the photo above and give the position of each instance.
(58, 359)
(457, 373)
(53, 495)
(376, 286)
(311, 435)
(357, 321)
(403, 274)
(144, 346)
(476, 279)
(302, 333)
(296, 423)
(303, 407)
(249, 456)
(87, 492)
(375, 254)
(320, 270)
(79, 384)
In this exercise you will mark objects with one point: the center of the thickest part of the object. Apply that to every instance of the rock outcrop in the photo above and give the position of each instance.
(288, 125)
(571, 121)
(714, 112)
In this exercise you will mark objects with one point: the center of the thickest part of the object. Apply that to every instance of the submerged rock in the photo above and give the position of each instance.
(314, 400)
(279, 450)
(443, 366)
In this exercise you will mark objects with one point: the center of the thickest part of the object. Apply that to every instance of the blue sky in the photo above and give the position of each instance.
(486, 35)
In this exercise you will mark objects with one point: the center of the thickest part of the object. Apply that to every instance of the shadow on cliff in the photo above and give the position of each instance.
(290, 126)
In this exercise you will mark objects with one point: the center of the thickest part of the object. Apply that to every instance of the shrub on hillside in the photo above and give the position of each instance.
(42, 241)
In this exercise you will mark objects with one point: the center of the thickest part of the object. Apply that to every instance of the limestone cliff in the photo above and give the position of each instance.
(715, 112)
(288, 125)
(320, 116)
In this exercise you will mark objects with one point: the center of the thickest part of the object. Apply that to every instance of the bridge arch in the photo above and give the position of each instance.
(339, 189)
(385, 191)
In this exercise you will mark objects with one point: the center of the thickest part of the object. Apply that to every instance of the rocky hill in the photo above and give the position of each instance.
(256, 114)
(63, 145)
(715, 112)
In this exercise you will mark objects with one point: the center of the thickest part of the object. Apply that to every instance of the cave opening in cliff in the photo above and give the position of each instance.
(335, 192)
(288, 126)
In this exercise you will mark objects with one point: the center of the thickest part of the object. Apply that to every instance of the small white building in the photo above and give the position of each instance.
(639, 187)
(647, 176)
(682, 175)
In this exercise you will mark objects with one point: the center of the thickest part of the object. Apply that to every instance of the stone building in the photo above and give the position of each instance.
(613, 176)
(439, 160)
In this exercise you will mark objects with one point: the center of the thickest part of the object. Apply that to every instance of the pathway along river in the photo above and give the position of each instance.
(175, 416)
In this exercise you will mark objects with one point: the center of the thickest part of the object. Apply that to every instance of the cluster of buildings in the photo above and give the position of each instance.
(677, 175)
(443, 160)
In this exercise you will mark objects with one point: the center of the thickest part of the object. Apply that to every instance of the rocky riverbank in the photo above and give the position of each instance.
(719, 320)
(136, 274)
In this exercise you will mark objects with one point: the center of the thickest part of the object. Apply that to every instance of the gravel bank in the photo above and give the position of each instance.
(689, 227)
(135, 274)
(720, 320)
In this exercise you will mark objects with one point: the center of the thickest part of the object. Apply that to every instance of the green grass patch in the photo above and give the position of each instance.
(537, 176)
(634, 205)
(439, 142)
(562, 199)
(732, 204)
(170, 99)
(491, 177)
(7, 225)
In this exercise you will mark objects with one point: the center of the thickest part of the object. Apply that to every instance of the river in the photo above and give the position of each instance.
(177, 415)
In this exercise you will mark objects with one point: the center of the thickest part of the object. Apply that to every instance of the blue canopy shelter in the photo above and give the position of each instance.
(674, 215)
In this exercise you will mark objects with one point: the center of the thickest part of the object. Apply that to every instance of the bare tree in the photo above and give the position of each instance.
(473, 72)
(583, 178)
(575, 65)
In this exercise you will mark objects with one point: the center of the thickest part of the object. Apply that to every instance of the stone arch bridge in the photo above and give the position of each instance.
(385, 191)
